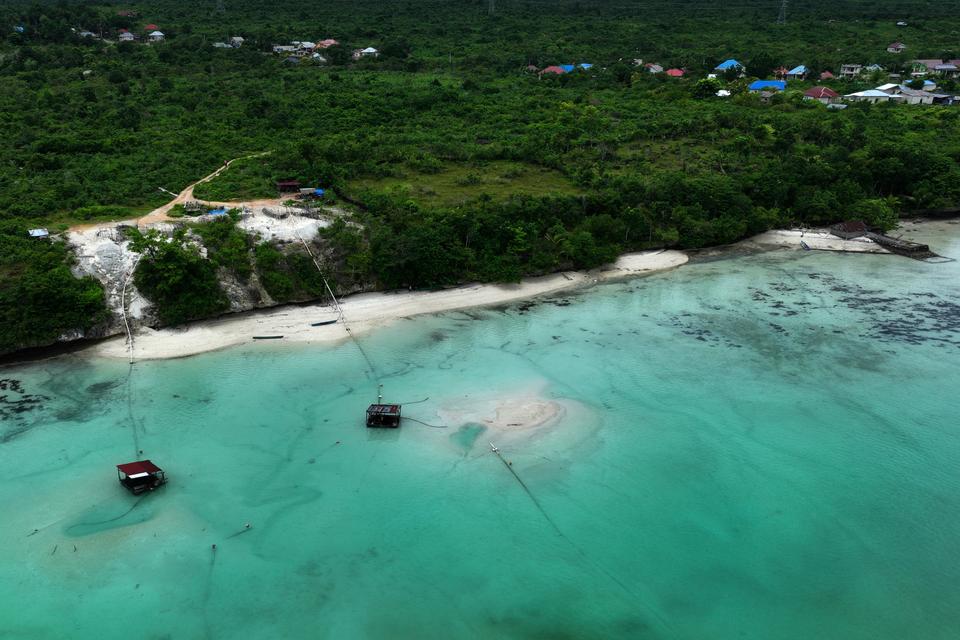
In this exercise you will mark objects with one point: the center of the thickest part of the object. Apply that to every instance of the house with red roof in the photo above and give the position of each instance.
(151, 27)
(896, 47)
(676, 73)
(554, 69)
(826, 75)
(826, 95)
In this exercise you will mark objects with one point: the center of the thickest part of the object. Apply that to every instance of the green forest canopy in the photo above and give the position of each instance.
(90, 129)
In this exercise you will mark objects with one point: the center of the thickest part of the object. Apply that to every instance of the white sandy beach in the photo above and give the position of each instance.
(816, 239)
(364, 312)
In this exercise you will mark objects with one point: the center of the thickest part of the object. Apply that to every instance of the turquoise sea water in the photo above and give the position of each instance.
(761, 446)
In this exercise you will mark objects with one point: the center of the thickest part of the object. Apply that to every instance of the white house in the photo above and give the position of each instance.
(896, 47)
(38, 233)
(126, 36)
(236, 41)
(221, 45)
(369, 52)
(283, 48)
(873, 96)
(156, 36)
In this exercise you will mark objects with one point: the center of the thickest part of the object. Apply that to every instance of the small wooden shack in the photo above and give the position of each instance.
(141, 476)
(849, 229)
(288, 186)
(383, 415)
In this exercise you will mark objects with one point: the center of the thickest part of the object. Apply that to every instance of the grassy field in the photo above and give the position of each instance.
(456, 184)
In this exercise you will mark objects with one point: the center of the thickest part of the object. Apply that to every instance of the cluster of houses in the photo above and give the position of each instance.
(234, 43)
(299, 49)
(559, 69)
(892, 92)
(151, 33)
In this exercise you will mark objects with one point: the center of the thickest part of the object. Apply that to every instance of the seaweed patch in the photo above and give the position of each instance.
(15, 402)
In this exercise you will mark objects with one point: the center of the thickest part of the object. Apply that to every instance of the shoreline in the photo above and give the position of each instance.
(363, 312)
(366, 312)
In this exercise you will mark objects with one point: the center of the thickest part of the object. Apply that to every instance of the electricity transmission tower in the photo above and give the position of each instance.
(782, 18)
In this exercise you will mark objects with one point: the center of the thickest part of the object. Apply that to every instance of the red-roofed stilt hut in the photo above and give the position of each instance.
(141, 476)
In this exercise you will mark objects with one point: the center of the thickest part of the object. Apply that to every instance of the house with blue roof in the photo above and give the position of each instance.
(727, 65)
(767, 85)
(567, 68)
(797, 73)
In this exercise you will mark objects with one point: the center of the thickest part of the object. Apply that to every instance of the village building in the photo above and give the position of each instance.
(151, 27)
(319, 59)
(553, 69)
(896, 47)
(780, 72)
(826, 75)
(850, 71)
(873, 68)
(873, 96)
(797, 73)
(653, 67)
(676, 73)
(826, 95)
(87, 34)
(369, 52)
(283, 48)
(221, 45)
(948, 69)
(38, 233)
(236, 41)
(156, 36)
(126, 36)
(327, 43)
(731, 64)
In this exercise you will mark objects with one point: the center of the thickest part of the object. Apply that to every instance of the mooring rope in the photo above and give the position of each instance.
(432, 426)
(343, 319)
(626, 588)
(108, 520)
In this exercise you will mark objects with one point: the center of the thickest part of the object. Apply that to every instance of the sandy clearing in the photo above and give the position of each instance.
(817, 239)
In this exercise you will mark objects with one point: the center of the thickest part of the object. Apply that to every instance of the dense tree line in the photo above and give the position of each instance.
(90, 128)
(40, 299)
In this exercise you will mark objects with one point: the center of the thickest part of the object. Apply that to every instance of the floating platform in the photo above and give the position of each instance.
(383, 415)
(141, 476)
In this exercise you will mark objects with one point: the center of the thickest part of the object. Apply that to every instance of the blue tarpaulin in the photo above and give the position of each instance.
(567, 67)
(217, 212)
(318, 192)
(766, 85)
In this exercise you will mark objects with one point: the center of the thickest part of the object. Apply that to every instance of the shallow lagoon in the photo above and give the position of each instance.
(760, 446)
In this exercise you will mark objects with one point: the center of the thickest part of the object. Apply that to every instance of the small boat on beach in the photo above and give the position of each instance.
(267, 337)
(324, 323)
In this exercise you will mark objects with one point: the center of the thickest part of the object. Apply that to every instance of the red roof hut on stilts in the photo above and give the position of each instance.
(141, 476)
